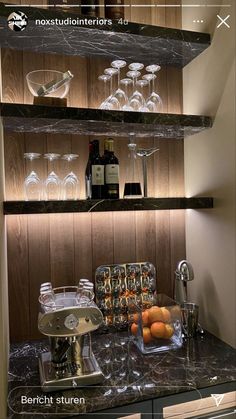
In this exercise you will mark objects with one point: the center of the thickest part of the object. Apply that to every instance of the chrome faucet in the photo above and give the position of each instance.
(183, 274)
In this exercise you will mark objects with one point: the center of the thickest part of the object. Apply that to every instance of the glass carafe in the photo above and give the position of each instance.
(132, 187)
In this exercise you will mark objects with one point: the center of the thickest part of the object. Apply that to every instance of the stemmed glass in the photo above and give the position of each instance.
(112, 100)
(126, 82)
(32, 183)
(53, 182)
(119, 93)
(154, 97)
(105, 104)
(136, 100)
(70, 183)
(149, 103)
(144, 153)
(136, 66)
(143, 83)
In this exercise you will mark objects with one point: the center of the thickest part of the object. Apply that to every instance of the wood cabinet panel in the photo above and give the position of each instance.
(14, 148)
(66, 247)
(18, 274)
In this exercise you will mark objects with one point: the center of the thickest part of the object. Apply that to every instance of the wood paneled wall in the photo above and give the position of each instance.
(63, 248)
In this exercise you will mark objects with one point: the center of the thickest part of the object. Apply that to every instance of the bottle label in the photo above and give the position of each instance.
(112, 173)
(97, 174)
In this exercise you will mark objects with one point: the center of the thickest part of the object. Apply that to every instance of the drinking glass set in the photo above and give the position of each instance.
(135, 92)
(53, 187)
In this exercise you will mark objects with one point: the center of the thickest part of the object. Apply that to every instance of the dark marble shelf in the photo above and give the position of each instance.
(38, 119)
(132, 42)
(50, 207)
(130, 377)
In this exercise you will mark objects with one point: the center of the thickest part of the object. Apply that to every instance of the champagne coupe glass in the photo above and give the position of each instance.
(143, 83)
(144, 153)
(53, 182)
(119, 93)
(136, 100)
(105, 78)
(32, 183)
(127, 82)
(112, 100)
(154, 97)
(70, 183)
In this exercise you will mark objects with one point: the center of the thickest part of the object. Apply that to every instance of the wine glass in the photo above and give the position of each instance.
(136, 100)
(136, 66)
(149, 103)
(119, 93)
(127, 82)
(105, 104)
(70, 183)
(53, 182)
(32, 183)
(143, 83)
(112, 100)
(154, 97)
(144, 153)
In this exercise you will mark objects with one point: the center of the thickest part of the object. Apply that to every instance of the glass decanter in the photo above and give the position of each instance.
(132, 187)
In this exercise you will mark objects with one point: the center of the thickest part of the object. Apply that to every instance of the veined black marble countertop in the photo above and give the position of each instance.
(116, 40)
(130, 377)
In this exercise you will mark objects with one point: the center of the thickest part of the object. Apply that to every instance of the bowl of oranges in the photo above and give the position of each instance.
(156, 328)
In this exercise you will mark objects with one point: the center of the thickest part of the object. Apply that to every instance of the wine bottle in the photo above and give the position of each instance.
(90, 8)
(114, 9)
(97, 173)
(111, 172)
(88, 173)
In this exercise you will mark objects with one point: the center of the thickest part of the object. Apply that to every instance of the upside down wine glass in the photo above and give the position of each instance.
(119, 93)
(112, 100)
(53, 182)
(105, 78)
(154, 97)
(70, 183)
(127, 83)
(136, 100)
(32, 183)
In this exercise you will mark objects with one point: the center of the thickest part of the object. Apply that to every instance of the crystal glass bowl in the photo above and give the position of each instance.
(45, 83)
(156, 327)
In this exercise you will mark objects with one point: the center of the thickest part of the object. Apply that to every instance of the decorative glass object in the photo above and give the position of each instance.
(144, 153)
(49, 83)
(117, 286)
(156, 327)
(132, 187)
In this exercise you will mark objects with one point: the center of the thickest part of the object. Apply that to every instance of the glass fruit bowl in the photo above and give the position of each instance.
(49, 83)
(157, 328)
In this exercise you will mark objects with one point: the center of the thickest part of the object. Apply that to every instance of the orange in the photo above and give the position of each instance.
(166, 315)
(145, 318)
(147, 337)
(169, 331)
(158, 329)
(134, 329)
(155, 314)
